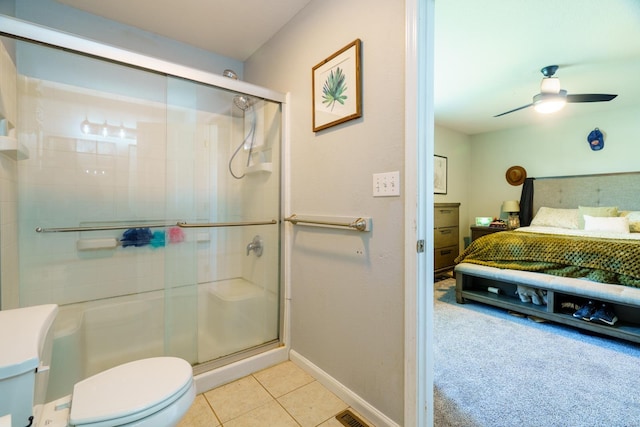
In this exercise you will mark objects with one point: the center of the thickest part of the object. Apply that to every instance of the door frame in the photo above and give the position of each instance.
(419, 148)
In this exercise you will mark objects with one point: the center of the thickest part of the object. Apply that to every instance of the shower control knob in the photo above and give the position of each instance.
(256, 246)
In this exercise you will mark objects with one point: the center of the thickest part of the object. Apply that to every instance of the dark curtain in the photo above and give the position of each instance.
(526, 202)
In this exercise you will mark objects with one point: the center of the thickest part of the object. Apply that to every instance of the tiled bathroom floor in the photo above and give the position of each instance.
(281, 396)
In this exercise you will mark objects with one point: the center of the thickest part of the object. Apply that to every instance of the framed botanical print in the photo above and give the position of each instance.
(336, 88)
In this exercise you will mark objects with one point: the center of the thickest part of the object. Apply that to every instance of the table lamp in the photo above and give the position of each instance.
(513, 208)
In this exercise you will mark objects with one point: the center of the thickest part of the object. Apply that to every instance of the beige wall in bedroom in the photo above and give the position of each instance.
(558, 148)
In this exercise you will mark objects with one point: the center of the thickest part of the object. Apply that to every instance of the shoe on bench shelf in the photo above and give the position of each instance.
(586, 311)
(605, 314)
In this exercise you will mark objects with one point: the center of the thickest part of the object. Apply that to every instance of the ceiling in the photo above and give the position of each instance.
(488, 54)
(235, 29)
(488, 58)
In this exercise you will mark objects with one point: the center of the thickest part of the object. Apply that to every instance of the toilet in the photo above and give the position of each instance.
(154, 392)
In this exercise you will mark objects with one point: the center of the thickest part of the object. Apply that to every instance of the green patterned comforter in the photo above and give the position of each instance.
(597, 259)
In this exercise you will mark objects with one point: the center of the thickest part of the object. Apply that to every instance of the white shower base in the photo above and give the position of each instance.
(232, 315)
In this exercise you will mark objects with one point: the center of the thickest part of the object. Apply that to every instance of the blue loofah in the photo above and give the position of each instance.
(136, 237)
(158, 239)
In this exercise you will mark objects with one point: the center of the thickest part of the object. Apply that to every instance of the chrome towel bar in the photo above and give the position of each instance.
(102, 227)
(359, 224)
(152, 225)
(224, 224)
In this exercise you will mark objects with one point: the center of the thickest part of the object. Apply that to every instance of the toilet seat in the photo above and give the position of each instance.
(130, 392)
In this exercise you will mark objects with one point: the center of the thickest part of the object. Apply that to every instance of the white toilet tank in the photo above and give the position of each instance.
(27, 340)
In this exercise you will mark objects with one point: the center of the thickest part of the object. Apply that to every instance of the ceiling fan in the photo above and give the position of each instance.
(551, 98)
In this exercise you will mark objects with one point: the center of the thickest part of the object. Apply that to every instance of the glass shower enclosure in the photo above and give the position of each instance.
(148, 210)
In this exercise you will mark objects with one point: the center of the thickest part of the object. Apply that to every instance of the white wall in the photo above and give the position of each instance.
(347, 288)
(478, 163)
(557, 148)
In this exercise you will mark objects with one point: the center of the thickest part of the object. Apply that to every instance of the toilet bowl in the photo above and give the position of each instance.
(148, 392)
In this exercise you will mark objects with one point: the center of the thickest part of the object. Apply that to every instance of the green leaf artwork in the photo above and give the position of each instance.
(334, 88)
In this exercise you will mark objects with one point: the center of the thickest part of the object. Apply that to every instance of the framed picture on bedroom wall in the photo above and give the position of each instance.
(439, 175)
(336, 88)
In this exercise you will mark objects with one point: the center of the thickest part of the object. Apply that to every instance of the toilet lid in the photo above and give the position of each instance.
(130, 391)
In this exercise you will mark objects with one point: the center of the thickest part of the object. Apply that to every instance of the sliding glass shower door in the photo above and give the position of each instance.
(149, 211)
(223, 157)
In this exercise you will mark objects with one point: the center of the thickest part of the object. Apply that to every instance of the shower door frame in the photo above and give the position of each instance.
(26, 31)
(38, 34)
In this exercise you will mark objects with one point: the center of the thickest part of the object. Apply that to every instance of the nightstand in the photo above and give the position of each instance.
(478, 231)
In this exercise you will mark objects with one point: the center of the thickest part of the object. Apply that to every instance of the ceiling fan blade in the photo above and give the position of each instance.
(515, 109)
(590, 97)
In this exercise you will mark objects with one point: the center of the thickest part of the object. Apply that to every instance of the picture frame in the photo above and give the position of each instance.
(336, 88)
(439, 174)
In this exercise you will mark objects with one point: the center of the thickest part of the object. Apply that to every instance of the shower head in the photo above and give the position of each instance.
(243, 102)
(230, 74)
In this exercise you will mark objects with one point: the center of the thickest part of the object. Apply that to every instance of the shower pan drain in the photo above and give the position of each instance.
(348, 418)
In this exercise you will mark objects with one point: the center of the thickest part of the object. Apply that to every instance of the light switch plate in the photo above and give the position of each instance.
(386, 184)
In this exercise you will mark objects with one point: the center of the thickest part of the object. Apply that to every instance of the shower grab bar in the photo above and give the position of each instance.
(359, 224)
(151, 225)
(224, 224)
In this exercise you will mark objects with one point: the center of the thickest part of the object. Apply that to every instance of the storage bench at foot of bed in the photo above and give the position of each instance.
(479, 283)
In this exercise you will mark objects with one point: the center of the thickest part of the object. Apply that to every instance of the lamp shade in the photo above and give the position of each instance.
(511, 206)
(550, 85)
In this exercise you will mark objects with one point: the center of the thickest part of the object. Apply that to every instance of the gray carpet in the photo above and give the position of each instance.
(494, 369)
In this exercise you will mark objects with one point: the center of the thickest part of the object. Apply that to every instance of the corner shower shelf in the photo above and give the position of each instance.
(12, 148)
(260, 167)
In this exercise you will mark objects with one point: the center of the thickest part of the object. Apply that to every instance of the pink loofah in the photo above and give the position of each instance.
(176, 235)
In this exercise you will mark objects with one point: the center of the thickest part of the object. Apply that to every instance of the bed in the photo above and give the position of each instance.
(575, 250)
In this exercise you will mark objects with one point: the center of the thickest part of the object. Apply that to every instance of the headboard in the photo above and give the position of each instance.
(614, 189)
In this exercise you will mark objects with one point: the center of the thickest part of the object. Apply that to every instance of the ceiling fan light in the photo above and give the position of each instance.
(550, 106)
(547, 103)
(550, 85)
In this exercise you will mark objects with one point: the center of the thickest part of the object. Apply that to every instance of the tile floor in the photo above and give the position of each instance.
(281, 396)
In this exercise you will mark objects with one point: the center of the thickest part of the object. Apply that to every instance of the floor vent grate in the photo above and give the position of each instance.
(348, 418)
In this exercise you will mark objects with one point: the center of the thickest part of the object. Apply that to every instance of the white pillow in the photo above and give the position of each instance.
(554, 217)
(634, 220)
(606, 223)
(595, 211)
